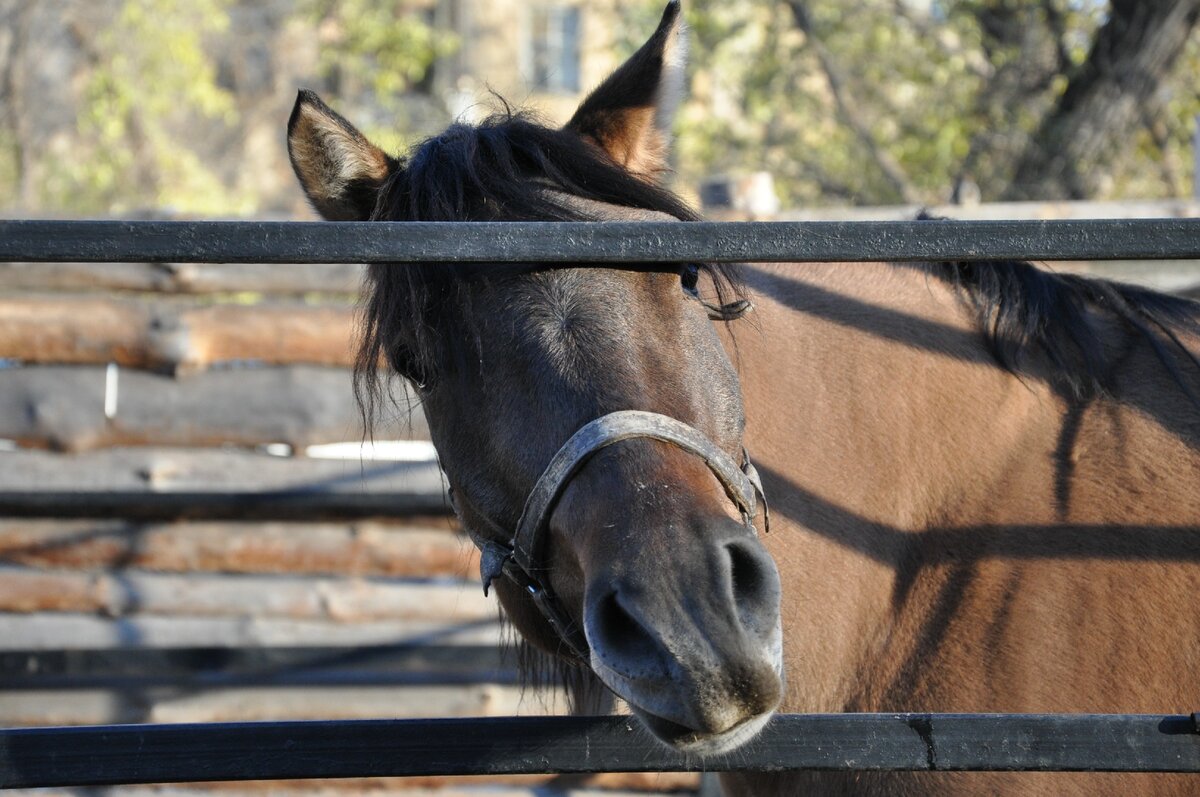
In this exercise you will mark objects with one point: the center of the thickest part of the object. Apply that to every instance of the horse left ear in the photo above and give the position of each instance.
(629, 115)
(340, 170)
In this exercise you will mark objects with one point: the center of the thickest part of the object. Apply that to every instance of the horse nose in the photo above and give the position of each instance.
(709, 618)
(693, 641)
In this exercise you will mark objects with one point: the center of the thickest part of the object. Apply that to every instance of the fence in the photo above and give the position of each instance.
(170, 337)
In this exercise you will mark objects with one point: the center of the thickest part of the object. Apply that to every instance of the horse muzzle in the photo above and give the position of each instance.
(694, 646)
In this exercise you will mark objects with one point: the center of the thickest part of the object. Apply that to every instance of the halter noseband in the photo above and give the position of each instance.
(519, 559)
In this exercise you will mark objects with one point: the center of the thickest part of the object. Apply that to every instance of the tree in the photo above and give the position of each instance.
(1107, 99)
(380, 53)
(113, 106)
(151, 80)
(883, 101)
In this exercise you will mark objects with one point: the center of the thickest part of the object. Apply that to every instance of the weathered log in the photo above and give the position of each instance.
(158, 704)
(147, 483)
(134, 592)
(184, 278)
(63, 407)
(421, 548)
(163, 334)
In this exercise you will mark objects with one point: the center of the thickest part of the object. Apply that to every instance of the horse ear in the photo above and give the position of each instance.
(629, 114)
(340, 170)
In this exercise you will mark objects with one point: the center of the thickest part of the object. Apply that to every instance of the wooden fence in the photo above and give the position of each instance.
(149, 391)
(169, 551)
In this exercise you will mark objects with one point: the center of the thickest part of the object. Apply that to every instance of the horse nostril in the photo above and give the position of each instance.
(754, 583)
(744, 572)
(617, 636)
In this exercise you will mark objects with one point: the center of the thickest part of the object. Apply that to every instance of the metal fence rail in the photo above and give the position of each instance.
(609, 242)
(423, 663)
(96, 756)
(105, 755)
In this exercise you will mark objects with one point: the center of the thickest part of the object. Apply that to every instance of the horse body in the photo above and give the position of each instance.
(983, 479)
(956, 537)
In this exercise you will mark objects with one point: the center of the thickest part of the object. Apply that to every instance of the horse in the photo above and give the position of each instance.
(984, 479)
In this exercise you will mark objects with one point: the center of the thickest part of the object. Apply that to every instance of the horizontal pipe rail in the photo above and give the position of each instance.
(609, 242)
(199, 668)
(117, 754)
(299, 504)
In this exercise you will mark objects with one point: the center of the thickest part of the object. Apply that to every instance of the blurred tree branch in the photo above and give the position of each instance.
(933, 32)
(889, 166)
(17, 23)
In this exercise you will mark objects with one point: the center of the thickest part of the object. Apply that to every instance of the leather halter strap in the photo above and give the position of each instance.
(520, 559)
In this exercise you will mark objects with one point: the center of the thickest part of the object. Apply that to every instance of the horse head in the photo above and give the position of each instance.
(642, 562)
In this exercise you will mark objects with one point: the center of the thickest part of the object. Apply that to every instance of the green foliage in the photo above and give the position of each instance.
(1165, 158)
(155, 116)
(379, 44)
(151, 81)
(382, 48)
(946, 89)
(10, 167)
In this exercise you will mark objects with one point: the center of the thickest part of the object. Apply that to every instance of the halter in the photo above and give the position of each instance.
(519, 559)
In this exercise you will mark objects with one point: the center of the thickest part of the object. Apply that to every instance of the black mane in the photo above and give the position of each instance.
(1021, 308)
(498, 170)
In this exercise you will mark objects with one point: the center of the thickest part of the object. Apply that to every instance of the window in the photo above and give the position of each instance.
(552, 51)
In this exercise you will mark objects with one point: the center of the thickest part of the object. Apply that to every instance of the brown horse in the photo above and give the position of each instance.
(984, 480)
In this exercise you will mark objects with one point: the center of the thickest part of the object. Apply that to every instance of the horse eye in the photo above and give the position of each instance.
(689, 278)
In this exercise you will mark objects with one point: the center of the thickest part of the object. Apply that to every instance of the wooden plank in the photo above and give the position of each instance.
(184, 278)
(53, 631)
(589, 242)
(160, 334)
(523, 745)
(129, 592)
(146, 483)
(420, 548)
(63, 408)
(37, 707)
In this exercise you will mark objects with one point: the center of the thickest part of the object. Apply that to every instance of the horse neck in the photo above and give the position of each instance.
(880, 371)
(869, 395)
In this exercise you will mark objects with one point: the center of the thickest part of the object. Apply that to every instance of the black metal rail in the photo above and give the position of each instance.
(96, 756)
(105, 755)
(130, 669)
(265, 505)
(609, 242)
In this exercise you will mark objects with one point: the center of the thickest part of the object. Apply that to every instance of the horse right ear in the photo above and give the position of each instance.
(629, 114)
(340, 170)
